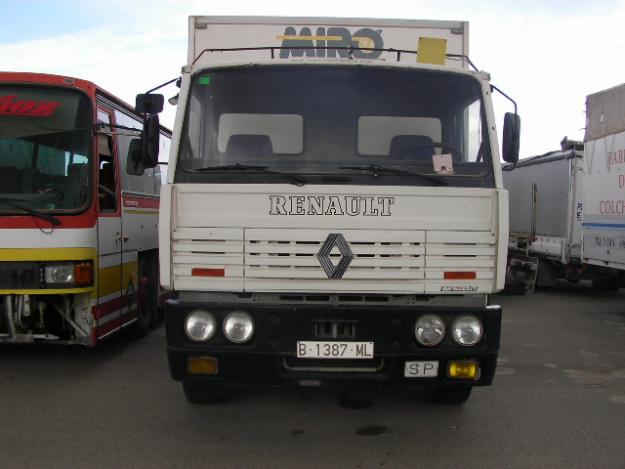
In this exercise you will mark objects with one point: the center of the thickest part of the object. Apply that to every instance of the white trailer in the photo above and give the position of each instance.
(334, 209)
(546, 215)
(604, 188)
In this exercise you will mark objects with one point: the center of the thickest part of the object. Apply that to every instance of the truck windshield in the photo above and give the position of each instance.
(44, 149)
(334, 123)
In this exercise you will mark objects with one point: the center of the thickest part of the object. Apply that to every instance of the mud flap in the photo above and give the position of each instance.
(521, 274)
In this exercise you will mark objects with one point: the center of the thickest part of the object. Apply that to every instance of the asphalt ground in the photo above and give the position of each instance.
(558, 401)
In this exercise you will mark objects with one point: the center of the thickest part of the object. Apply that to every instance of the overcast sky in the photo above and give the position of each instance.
(547, 55)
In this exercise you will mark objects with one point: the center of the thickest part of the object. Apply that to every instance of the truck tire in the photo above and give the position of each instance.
(605, 284)
(203, 392)
(147, 295)
(449, 396)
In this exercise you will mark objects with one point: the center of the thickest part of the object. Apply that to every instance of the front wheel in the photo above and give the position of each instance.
(449, 396)
(203, 392)
(147, 295)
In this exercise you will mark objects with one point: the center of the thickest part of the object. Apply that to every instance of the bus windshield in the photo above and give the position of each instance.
(45, 161)
(324, 123)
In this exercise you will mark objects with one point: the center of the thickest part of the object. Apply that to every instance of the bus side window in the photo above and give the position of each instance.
(106, 175)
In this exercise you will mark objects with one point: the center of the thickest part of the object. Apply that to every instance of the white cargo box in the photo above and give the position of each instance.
(604, 191)
(546, 202)
(317, 34)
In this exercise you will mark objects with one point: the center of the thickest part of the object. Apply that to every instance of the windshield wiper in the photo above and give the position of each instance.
(294, 178)
(376, 169)
(44, 216)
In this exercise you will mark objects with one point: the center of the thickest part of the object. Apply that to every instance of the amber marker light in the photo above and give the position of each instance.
(83, 273)
(463, 369)
(202, 365)
(459, 275)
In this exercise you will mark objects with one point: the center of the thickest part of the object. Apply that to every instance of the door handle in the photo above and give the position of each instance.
(118, 238)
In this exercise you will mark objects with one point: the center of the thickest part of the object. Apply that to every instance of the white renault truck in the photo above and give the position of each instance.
(334, 210)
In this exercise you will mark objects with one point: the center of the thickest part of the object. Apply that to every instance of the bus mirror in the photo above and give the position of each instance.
(149, 103)
(134, 163)
(511, 137)
(150, 141)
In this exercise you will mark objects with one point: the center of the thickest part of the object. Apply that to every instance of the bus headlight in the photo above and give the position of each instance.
(200, 326)
(429, 330)
(68, 274)
(238, 327)
(467, 330)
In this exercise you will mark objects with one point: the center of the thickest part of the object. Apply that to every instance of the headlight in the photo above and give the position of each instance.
(429, 330)
(59, 273)
(68, 274)
(200, 326)
(238, 327)
(467, 330)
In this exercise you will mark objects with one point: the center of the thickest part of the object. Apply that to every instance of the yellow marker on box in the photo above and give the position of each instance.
(432, 51)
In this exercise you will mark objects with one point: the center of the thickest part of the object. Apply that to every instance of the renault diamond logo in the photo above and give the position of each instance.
(335, 240)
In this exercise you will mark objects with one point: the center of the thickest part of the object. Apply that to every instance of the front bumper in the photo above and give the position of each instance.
(270, 357)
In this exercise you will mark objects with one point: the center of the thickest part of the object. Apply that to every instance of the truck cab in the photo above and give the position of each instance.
(334, 211)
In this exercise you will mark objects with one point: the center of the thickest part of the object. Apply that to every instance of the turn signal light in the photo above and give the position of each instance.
(202, 365)
(463, 369)
(83, 273)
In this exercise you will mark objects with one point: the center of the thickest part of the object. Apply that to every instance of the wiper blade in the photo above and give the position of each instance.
(294, 178)
(376, 169)
(44, 216)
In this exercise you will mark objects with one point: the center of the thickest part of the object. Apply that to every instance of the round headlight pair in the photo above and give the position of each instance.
(430, 330)
(200, 326)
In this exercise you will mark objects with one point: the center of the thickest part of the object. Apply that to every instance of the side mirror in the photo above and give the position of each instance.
(134, 163)
(150, 141)
(511, 138)
(149, 103)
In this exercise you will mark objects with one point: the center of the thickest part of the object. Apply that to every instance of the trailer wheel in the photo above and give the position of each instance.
(449, 396)
(605, 284)
(147, 298)
(203, 392)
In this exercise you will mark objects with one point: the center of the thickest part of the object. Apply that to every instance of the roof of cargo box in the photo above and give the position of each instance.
(253, 39)
(605, 113)
(545, 158)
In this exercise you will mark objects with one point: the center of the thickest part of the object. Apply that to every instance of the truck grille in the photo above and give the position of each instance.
(287, 260)
(377, 255)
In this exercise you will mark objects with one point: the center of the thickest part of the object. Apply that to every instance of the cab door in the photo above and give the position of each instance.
(110, 294)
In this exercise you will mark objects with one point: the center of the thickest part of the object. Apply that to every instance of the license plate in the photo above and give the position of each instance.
(334, 350)
(421, 369)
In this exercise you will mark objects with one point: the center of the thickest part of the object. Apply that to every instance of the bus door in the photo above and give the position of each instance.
(111, 296)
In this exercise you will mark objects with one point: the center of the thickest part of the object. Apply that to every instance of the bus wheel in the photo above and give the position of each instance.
(147, 300)
(203, 392)
(447, 396)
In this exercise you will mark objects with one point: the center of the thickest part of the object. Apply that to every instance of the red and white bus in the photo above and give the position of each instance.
(78, 234)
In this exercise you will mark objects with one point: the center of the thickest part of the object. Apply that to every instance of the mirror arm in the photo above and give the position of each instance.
(99, 128)
(493, 87)
(163, 85)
